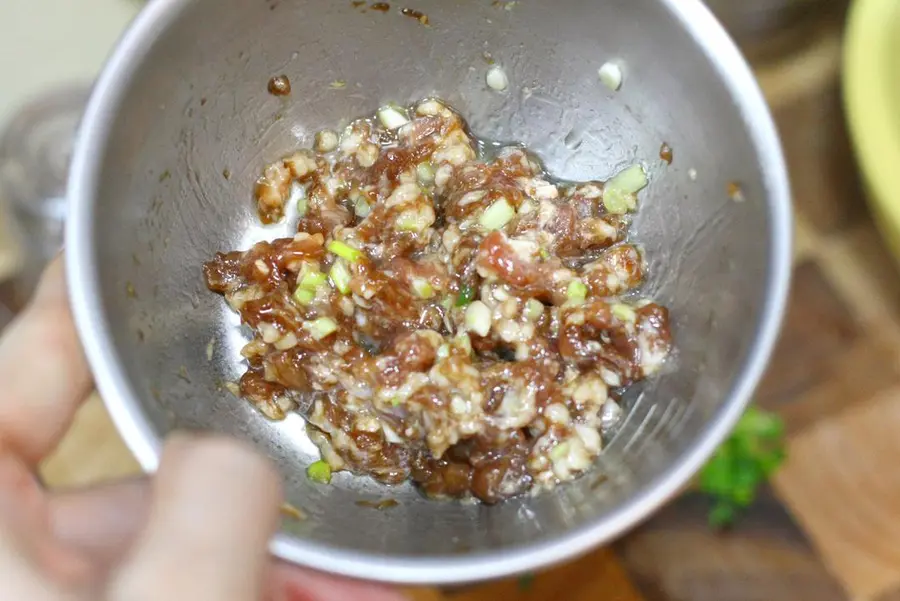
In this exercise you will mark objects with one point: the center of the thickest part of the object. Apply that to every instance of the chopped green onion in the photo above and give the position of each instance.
(395, 401)
(391, 117)
(478, 318)
(321, 327)
(425, 173)
(422, 288)
(618, 202)
(577, 291)
(619, 193)
(497, 215)
(313, 280)
(309, 280)
(302, 206)
(345, 251)
(544, 253)
(559, 451)
(340, 276)
(319, 472)
(413, 221)
(631, 180)
(303, 296)
(533, 309)
(466, 295)
(624, 313)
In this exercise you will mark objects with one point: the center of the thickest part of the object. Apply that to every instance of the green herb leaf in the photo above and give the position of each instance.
(722, 515)
(744, 462)
(466, 295)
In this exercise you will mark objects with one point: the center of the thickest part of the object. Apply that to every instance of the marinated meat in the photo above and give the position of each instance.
(441, 316)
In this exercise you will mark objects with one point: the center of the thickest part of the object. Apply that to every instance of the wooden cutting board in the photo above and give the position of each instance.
(825, 529)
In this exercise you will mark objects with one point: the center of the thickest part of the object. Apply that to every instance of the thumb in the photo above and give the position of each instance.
(215, 506)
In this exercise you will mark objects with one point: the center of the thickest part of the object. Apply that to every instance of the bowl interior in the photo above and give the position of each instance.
(184, 102)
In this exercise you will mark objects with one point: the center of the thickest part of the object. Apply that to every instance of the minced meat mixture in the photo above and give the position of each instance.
(443, 315)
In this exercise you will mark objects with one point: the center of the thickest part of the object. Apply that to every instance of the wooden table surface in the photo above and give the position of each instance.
(827, 528)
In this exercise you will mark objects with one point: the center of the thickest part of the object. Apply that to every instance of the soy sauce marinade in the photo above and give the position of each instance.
(441, 316)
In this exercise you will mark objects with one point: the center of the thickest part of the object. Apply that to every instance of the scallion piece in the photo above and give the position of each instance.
(313, 280)
(632, 180)
(497, 215)
(321, 327)
(577, 291)
(466, 295)
(345, 251)
(391, 117)
(303, 296)
(559, 451)
(619, 193)
(319, 472)
(422, 288)
(340, 276)
(425, 173)
(618, 202)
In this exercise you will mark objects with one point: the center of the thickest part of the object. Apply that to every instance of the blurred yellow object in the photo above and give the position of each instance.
(872, 99)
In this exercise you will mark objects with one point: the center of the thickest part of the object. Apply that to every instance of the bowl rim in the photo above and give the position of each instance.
(121, 400)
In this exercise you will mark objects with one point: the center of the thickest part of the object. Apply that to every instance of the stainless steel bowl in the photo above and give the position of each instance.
(183, 100)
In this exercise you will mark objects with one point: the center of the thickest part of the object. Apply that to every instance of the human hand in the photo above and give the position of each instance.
(197, 531)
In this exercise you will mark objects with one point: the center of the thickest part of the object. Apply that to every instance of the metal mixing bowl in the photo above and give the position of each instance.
(183, 101)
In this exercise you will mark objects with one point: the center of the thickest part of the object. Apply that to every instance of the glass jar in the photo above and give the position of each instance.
(35, 151)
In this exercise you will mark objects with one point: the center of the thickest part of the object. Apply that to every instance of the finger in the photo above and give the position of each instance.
(215, 507)
(21, 578)
(101, 523)
(290, 583)
(45, 376)
(31, 564)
